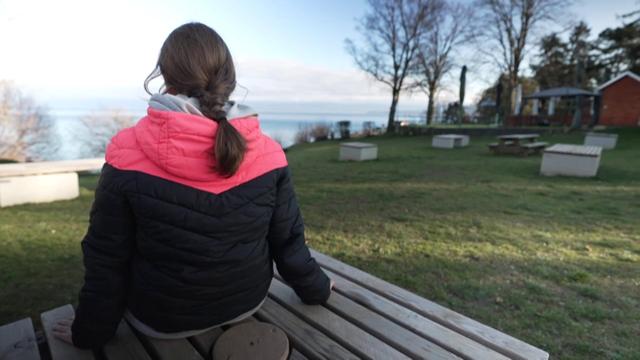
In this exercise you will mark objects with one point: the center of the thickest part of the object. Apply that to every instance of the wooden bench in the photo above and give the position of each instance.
(365, 318)
(492, 146)
(39, 182)
(533, 148)
(522, 149)
(571, 160)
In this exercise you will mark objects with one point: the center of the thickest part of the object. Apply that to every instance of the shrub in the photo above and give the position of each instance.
(312, 132)
(320, 131)
(26, 130)
(303, 135)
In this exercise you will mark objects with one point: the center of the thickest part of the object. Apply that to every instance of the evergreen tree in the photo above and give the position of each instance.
(619, 48)
(573, 63)
(583, 61)
(552, 69)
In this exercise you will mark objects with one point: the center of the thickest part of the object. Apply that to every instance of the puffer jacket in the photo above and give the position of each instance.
(181, 247)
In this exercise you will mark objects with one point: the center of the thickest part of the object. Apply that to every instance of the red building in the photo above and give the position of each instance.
(621, 101)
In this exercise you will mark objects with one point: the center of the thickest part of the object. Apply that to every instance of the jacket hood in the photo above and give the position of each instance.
(180, 147)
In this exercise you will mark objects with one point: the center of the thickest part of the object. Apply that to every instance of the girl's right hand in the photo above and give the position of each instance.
(332, 284)
(62, 330)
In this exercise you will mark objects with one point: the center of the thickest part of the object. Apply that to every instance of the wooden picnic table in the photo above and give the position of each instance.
(518, 144)
(517, 138)
(365, 318)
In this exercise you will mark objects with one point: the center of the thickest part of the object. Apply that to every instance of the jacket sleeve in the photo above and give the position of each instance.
(107, 249)
(288, 248)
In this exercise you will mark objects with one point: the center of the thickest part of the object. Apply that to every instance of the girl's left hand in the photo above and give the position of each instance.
(62, 330)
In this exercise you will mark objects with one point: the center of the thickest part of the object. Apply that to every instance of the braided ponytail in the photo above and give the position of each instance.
(230, 145)
(195, 61)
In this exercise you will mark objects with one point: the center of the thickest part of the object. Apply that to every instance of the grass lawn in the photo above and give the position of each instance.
(553, 261)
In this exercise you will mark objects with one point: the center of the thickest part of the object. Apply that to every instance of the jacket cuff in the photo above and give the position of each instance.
(79, 337)
(317, 292)
(84, 337)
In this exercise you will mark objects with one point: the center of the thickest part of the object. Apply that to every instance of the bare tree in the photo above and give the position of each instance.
(509, 26)
(26, 132)
(99, 127)
(452, 25)
(392, 31)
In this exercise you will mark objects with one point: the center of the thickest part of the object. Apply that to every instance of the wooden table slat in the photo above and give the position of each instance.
(59, 349)
(168, 349)
(305, 338)
(296, 355)
(448, 339)
(18, 341)
(433, 331)
(342, 331)
(204, 342)
(385, 327)
(488, 336)
(518, 136)
(125, 345)
(409, 343)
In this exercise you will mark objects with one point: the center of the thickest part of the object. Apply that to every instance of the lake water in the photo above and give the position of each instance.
(281, 125)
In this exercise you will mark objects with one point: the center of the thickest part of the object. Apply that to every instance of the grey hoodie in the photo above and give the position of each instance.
(189, 105)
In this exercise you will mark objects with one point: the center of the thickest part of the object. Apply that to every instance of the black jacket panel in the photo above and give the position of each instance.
(184, 259)
(291, 255)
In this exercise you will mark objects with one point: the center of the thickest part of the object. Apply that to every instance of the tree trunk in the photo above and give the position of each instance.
(577, 115)
(430, 107)
(508, 106)
(392, 111)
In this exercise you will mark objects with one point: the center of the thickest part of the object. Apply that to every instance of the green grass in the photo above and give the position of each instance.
(553, 261)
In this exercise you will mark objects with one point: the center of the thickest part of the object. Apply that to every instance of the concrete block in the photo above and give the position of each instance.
(571, 160)
(15, 190)
(358, 151)
(604, 140)
(449, 141)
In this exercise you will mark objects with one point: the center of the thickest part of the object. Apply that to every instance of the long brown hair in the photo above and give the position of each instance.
(195, 61)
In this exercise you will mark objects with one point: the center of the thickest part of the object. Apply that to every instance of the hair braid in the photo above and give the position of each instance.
(230, 145)
(195, 61)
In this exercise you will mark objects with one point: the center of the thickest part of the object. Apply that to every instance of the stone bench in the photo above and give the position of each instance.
(365, 318)
(604, 140)
(39, 182)
(571, 160)
(449, 141)
(358, 151)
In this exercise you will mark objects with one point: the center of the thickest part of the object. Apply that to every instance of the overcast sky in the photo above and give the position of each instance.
(285, 50)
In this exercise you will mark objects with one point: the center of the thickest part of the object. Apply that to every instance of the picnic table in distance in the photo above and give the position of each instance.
(518, 144)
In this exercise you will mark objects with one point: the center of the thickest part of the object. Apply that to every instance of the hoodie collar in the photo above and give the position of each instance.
(190, 105)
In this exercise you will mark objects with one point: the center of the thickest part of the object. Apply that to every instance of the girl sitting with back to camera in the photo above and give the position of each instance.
(193, 205)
